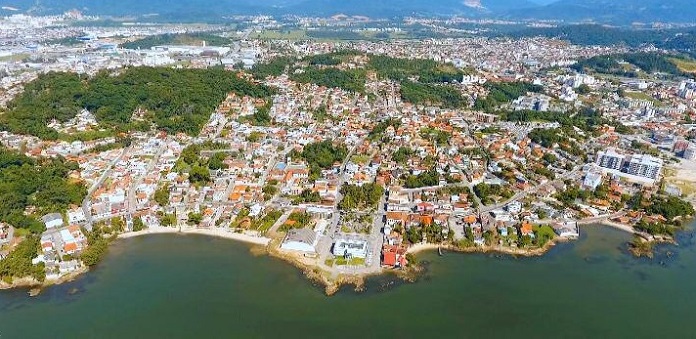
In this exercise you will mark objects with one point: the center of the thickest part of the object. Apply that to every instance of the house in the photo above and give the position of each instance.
(394, 256)
(5, 233)
(300, 240)
(52, 220)
(514, 207)
(425, 207)
(76, 216)
(527, 229)
(397, 218)
(567, 230)
(592, 180)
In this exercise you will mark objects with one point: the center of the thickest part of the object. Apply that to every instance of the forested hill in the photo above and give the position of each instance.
(644, 62)
(176, 100)
(683, 40)
(41, 183)
(191, 39)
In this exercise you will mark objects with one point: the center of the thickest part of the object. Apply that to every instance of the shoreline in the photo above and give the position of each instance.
(33, 284)
(531, 252)
(212, 232)
(36, 286)
(331, 281)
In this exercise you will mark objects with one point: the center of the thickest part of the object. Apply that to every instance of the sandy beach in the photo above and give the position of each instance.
(422, 247)
(213, 232)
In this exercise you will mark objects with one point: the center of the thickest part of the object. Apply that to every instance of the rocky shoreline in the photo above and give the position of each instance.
(333, 281)
(36, 286)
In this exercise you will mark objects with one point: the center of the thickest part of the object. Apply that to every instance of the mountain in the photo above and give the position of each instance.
(613, 11)
(208, 9)
(391, 8)
(605, 11)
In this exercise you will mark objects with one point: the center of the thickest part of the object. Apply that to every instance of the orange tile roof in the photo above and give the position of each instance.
(69, 247)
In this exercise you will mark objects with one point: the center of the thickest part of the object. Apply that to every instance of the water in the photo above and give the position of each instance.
(195, 286)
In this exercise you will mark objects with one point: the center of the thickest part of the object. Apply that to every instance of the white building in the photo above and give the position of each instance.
(644, 166)
(350, 248)
(690, 152)
(52, 220)
(610, 159)
(514, 207)
(301, 240)
(592, 180)
(76, 216)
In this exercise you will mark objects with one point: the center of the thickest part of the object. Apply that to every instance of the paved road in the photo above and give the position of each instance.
(86, 203)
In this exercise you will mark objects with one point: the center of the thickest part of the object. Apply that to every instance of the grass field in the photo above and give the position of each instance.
(642, 96)
(279, 35)
(14, 57)
(688, 66)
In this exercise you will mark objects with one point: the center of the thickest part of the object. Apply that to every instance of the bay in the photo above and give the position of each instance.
(194, 286)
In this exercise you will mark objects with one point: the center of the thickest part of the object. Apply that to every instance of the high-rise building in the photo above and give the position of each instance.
(644, 165)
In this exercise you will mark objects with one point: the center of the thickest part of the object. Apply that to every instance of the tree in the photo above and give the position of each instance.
(177, 100)
(199, 174)
(307, 196)
(18, 263)
(362, 197)
(583, 89)
(414, 235)
(168, 220)
(671, 207)
(423, 179)
(543, 234)
(195, 218)
(162, 195)
(216, 161)
(42, 183)
(138, 224)
(117, 224)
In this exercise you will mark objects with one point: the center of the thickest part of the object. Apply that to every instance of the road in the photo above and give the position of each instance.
(86, 203)
(132, 196)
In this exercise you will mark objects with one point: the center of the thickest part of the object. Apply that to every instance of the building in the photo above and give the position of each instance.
(592, 180)
(52, 220)
(76, 216)
(301, 240)
(350, 248)
(567, 230)
(644, 165)
(5, 233)
(514, 207)
(610, 159)
(690, 152)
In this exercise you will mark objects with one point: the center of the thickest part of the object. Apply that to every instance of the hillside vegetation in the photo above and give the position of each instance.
(175, 100)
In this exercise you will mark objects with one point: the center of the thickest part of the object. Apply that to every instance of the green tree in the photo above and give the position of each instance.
(195, 218)
(138, 224)
(162, 195)
(117, 224)
(199, 174)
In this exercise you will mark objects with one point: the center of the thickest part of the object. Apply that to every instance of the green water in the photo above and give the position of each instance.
(194, 286)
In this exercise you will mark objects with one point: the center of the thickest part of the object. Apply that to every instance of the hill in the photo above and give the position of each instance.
(613, 11)
(210, 10)
(191, 39)
(173, 100)
(605, 11)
